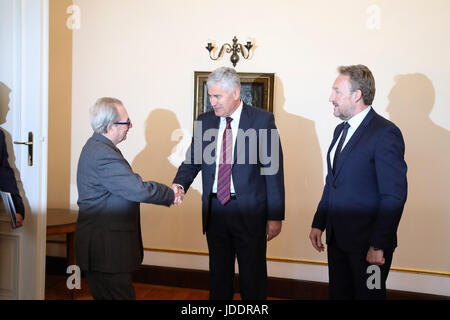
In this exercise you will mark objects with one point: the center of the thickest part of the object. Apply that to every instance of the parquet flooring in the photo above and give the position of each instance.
(56, 289)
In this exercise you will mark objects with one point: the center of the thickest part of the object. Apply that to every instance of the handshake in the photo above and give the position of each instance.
(179, 194)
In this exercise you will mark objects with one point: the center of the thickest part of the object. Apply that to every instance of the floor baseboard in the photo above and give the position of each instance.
(199, 279)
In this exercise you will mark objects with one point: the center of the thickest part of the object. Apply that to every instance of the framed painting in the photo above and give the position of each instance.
(256, 90)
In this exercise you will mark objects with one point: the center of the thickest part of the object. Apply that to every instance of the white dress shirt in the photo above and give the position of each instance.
(236, 116)
(354, 123)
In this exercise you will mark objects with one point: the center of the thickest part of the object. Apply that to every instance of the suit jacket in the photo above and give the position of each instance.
(362, 203)
(7, 179)
(260, 196)
(108, 235)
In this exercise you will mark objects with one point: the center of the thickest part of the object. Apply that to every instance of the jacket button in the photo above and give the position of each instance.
(334, 186)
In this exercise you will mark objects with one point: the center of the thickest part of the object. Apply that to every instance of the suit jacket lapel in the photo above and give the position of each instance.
(337, 132)
(353, 140)
(214, 123)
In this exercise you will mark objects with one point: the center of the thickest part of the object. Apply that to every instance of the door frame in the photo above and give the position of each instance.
(30, 113)
(43, 169)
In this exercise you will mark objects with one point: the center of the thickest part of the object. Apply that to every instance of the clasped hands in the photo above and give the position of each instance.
(179, 194)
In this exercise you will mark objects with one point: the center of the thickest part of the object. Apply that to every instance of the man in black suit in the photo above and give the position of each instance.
(108, 236)
(8, 181)
(365, 191)
(238, 150)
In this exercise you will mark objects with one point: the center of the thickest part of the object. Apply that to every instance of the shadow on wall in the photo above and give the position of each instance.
(303, 176)
(426, 217)
(5, 92)
(161, 226)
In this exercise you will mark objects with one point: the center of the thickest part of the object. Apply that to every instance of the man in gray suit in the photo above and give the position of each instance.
(108, 237)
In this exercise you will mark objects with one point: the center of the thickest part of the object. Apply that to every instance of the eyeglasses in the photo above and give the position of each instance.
(128, 123)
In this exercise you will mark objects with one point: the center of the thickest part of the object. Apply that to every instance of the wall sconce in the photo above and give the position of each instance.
(235, 48)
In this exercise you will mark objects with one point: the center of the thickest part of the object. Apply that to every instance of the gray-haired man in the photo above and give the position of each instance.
(108, 237)
(242, 201)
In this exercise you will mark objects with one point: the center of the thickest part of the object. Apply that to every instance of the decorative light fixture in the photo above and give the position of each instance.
(235, 48)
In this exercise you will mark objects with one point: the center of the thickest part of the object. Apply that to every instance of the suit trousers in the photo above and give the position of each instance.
(351, 278)
(227, 238)
(111, 286)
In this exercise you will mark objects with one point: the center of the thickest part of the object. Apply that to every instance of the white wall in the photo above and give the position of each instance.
(145, 52)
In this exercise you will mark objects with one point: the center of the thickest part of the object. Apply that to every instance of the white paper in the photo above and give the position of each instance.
(9, 207)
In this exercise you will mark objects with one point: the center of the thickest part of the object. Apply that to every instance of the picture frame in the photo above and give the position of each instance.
(257, 89)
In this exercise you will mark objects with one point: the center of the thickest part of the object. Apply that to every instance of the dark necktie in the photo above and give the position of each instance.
(339, 146)
(224, 175)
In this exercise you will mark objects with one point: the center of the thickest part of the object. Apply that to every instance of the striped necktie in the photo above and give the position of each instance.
(224, 175)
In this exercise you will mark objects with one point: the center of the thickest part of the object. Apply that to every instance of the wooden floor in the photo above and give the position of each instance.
(56, 289)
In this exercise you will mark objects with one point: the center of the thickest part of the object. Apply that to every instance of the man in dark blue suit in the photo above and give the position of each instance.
(238, 150)
(365, 191)
(8, 181)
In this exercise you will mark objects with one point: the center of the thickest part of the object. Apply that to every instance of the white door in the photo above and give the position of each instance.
(23, 109)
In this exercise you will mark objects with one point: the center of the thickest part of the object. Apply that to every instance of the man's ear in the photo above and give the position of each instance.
(357, 95)
(237, 93)
(109, 128)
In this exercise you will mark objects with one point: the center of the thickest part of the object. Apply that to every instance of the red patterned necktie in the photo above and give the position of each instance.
(224, 175)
